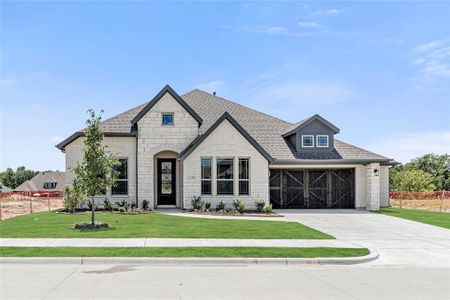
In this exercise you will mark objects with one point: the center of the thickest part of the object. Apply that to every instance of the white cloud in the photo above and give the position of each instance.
(404, 146)
(432, 60)
(277, 30)
(427, 47)
(293, 95)
(219, 86)
(309, 24)
(8, 82)
(330, 11)
(334, 11)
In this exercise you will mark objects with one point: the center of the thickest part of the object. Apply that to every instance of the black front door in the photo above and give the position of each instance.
(166, 181)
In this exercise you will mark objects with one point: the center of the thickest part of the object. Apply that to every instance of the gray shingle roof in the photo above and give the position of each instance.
(265, 129)
(36, 183)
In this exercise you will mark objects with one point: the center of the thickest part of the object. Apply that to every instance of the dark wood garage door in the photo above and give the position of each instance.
(332, 188)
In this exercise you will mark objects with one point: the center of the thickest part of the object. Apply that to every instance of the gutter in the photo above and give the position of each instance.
(332, 161)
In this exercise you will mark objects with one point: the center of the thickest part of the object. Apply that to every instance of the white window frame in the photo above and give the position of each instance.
(249, 176)
(206, 179)
(308, 135)
(232, 179)
(322, 135)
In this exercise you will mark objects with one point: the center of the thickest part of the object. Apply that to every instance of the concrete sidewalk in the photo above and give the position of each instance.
(171, 242)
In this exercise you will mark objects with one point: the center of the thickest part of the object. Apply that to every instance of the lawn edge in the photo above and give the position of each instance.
(373, 255)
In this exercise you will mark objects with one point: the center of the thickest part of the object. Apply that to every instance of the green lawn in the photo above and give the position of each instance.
(181, 252)
(152, 225)
(428, 217)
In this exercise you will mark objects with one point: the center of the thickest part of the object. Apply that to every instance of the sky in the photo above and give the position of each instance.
(378, 71)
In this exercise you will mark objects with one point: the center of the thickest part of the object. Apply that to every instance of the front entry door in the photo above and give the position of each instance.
(166, 181)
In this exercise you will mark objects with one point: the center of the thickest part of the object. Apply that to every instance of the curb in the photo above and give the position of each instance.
(190, 260)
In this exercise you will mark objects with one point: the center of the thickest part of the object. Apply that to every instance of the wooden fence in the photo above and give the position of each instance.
(434, 201)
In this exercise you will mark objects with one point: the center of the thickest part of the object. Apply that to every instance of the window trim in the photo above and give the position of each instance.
(217, 176)
(308, 135)
(122, 180)
(247, 180)
(206, 179)
(162, 118)
(317, 140)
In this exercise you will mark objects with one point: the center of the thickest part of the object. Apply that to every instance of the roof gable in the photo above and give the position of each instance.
(166, 89)
(302, 124)
(226, 116)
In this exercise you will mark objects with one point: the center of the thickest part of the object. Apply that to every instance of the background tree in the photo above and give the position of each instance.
(413, 181)
(13, 179)
(436, 165)
(96, 171)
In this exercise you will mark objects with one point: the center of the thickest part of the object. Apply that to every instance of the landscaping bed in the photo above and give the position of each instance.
(255, 252)
(152, 225)
(232, 213)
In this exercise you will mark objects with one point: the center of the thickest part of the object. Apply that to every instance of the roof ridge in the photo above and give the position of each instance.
(236, 103)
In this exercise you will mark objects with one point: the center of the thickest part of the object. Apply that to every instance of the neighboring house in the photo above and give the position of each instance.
(176, 147)
(4, 189)
(47, 183)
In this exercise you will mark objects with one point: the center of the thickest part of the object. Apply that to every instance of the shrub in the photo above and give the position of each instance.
(133, 206)
(123, 204)
(72, 199)
(239, 206)
(220, 206)
(197, 203)
(89, 204)
(259, 205)
(145, 204)
(207, 205)
(122, 209)
(107, 205)
(268, 208)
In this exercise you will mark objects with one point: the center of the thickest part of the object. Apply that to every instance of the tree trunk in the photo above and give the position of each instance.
(92, 211)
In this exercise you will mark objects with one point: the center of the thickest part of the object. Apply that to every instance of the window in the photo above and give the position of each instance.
(307, 141)
(244, 176)
(167, 119)
(121, 186)
(206, 176)
(225, 176)
(322, 141)
(49, 185)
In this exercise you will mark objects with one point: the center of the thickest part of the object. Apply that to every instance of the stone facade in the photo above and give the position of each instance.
(373, 187)
(226, 142)
(122, 147)
(154, 138)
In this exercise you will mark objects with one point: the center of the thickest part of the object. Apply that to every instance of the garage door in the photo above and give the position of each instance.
(332, 188)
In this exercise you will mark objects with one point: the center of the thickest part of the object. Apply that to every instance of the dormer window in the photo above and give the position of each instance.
(322, 141)
(49, 185)
(307, 141)
(167, 119)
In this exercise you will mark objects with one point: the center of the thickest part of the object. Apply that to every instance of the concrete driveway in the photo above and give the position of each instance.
(398, 241)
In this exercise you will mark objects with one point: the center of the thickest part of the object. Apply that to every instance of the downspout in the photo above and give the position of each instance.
(136, 171)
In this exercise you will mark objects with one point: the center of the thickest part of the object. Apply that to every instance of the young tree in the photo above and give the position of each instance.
(96, 171)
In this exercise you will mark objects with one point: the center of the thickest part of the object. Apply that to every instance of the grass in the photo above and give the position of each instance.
(181, 252)
(152, 225)
(440, 219)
